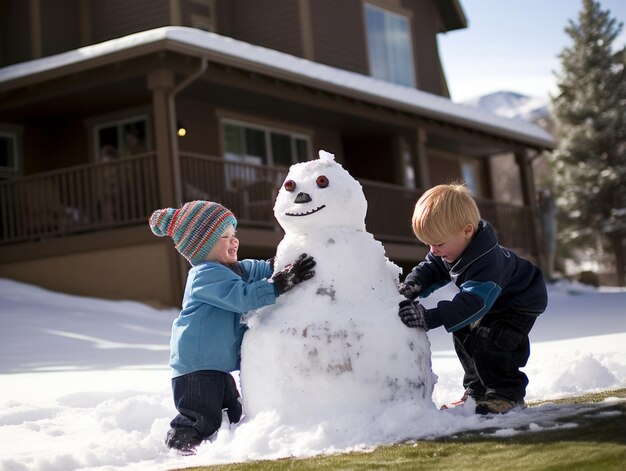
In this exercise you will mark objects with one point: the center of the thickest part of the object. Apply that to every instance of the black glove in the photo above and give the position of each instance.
(410, 289)
(293, 274)
(412, 314)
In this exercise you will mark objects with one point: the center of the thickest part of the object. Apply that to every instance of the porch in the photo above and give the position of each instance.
(122, 193)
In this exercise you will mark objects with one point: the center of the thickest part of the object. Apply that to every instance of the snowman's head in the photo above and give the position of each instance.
(320, 194)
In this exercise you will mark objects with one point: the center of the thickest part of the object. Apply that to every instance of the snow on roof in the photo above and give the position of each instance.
(260, 59)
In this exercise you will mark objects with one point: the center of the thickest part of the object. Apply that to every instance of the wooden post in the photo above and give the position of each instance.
(422, 177)
(85, 22)
(306, 33)
(529, 193)
(175, 15)
(161, 83)
(35, 29)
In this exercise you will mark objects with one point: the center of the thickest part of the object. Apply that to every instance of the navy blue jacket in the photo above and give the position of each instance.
(490, 278)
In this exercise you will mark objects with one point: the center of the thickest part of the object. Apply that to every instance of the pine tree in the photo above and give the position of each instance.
(590, 161)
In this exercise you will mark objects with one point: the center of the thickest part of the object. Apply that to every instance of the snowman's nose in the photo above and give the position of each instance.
(303, 198)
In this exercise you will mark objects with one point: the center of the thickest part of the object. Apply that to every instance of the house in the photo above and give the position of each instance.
(110, 109)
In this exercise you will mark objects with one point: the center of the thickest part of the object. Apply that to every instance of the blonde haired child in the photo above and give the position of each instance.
(500, 296)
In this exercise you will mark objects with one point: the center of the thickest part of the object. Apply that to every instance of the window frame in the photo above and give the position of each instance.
(268, 131)
(470, 174)
(391, 10)
(119, 121)
(249, 174)
(15, 136)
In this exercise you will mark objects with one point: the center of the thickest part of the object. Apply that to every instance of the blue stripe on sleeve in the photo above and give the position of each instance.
(427, 292)
(486, 291)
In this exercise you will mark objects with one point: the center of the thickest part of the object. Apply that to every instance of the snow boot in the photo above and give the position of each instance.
(497, 405)
(461, 402)
(183, 439)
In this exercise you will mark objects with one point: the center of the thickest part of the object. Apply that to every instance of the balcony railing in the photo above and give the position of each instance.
(78, 199)
(124, 192)
(514, 224)
(250, 190)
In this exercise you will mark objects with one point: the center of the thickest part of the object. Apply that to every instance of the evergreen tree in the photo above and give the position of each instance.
(590, 160)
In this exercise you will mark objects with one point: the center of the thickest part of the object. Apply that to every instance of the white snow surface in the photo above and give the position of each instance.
(330, 368)
(84, 384)
(266, 60)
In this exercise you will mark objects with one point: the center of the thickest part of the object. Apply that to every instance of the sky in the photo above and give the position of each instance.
(328, 368)
(512, 45)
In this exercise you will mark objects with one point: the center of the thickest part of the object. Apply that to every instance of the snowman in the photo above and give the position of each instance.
(334, 345)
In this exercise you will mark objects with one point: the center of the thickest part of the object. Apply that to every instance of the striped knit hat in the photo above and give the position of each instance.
(194, 228)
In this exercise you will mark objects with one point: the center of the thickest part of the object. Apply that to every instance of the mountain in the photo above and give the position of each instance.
(513, 105)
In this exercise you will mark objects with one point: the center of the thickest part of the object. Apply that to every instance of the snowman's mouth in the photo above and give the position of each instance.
(319, 208)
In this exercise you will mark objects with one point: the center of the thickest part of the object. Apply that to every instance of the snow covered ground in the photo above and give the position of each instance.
(84, 383)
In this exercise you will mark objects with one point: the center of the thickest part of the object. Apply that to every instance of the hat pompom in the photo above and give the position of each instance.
(160, 221)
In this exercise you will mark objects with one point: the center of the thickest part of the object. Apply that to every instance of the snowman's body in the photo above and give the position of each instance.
(334, 344)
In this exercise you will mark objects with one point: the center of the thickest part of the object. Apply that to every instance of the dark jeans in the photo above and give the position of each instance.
(492, 354)
(200, 398)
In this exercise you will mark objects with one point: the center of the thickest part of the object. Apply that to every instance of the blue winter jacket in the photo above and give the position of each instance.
(490, 279)
(207, 334)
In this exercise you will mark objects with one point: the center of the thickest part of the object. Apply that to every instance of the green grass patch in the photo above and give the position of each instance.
(597, 442)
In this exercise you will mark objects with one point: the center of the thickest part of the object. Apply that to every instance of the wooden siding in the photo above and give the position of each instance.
(274, 24)
(116, 18)
(425, 25)
(15, 44)
(338, 34)
(198, 14)
(60, 26)
(137, 266)
(443, 170)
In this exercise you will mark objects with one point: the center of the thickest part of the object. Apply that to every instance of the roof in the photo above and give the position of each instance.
(452, 14)
(258, 59)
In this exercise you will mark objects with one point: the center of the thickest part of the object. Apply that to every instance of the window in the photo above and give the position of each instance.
(263, 146)
(121, 138)
(409, 171)
(8, 155)
(470, 177)
(258, 145)
(389, 46)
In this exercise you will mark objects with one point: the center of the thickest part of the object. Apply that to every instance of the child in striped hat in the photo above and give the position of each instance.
(206, 336)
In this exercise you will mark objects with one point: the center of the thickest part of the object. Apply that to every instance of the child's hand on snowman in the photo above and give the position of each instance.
(409, 289)
(412, 314)
(293, 274)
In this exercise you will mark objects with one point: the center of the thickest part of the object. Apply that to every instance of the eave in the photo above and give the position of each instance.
(281, 66)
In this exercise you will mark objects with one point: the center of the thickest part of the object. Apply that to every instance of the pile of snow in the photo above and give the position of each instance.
(512, 105)
(343, 353)
(85, 383)
(330, 368)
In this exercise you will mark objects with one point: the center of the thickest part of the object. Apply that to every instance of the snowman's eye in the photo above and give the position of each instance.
(290, 185)
(322, 181)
